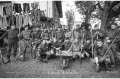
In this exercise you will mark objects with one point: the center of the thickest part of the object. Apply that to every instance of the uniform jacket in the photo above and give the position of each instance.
(100, 51)
(12, 35)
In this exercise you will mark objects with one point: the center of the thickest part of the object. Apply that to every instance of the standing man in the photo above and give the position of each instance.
(25, 42)
(12, 36)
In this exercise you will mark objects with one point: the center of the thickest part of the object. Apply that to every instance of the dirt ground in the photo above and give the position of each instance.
(32, 69)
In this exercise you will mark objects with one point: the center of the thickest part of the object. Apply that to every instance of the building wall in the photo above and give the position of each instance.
(51, 11)
(47, 6)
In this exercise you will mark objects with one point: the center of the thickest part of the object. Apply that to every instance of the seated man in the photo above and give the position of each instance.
(56, 45)
(64, 54)
(75, 49)
(87, 49)
(36, 38)
(101, 55)
(44, 50)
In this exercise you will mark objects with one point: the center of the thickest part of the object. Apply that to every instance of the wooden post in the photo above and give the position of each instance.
(92, 42)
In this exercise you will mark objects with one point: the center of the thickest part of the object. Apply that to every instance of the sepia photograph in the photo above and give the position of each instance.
(59, 39)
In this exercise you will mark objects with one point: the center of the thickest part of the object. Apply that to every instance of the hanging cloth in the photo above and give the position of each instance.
(27, 20)
(1, 20)
(1, 10)
(17, 21)
(26, 7)
(7, 9)
(20, 21)
(17, 8)
(5, 24)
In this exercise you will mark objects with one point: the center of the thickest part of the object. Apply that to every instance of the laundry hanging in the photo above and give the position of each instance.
(11, 20)
(19, 21)
(5, 24)
(1, 19)
(26, 8)
(27, 20)
(1, 10)
(17, 8)
(7, 9)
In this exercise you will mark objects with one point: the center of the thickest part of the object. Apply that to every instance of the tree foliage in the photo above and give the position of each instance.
(106, 11)
(86, 8)
(109, 10)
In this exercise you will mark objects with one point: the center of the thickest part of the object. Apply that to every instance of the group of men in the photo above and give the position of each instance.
(81, 42)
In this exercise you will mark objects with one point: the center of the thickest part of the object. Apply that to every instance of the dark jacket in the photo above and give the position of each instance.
(100, 51)
(66, 45)
(12, 35)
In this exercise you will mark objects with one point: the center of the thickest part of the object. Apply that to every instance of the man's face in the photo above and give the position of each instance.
(90, 27)
(13, 27)
(59, 29)
(113, 26)
(26, 28)
(54, 40)
(37, 29)
(99, 43)
(67, 40)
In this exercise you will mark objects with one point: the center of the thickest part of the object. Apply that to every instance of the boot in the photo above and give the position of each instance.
(15, 58)
(107, 66)
(46, 59)
(8, 59)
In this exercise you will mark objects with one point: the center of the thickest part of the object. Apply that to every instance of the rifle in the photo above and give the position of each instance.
(109, 47)
(92, 42)
(82, 40)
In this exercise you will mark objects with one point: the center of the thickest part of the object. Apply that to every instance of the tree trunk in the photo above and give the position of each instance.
(87, 18)
(104, 21)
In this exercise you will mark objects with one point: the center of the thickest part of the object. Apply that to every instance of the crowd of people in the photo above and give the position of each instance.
(79, 43)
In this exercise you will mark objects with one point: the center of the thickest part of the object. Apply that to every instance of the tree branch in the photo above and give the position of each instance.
(92, 9)
(114, 3)
(83, 9)
(100, 7)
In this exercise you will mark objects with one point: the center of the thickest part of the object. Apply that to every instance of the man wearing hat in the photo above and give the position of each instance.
(45, 34)
(60, 35)
(12, 36)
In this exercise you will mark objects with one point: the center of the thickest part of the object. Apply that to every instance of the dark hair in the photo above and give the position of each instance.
(99, 40)
(114, 24)
(86, 25)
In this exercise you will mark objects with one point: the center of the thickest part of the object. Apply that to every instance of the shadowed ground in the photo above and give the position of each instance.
(32, 69)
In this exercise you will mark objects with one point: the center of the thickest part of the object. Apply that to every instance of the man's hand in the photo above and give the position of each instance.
(103, 58)
(96, 60)
(18, 35)
(58, 48)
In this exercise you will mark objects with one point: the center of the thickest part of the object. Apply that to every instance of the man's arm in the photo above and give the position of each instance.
(70, 47)
(95, 52)
(4, 35)
(20, 35)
